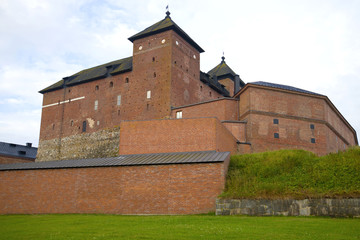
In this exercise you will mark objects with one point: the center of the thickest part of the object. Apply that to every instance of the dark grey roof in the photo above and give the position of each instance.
(214, 84)
(222, 70)
(94, 73)
(16, 150)
(125, 160)
(285, 87)
(164, 25)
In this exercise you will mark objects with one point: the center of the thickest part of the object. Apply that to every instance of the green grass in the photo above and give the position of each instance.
(175, 227)
(294, 174)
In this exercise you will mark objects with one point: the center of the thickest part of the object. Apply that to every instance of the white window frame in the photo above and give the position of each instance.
(96, 105)
(178, 114)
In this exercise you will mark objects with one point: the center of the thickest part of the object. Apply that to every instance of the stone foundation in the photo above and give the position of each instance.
(103, 143)
(290, 207)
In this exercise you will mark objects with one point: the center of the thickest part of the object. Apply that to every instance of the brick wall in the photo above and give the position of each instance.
(9, 159)
(186, 87)
(175, 135)
(223, 109)
(154, 189)
(238, 129)
(304, 121)
(229, 85)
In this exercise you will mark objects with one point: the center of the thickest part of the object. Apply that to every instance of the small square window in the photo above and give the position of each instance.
(276, 135)
(276, 121)
(179, 114)
(312, 126)
(312, 140)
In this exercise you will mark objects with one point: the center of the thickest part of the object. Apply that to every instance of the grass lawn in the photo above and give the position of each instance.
(175, 227)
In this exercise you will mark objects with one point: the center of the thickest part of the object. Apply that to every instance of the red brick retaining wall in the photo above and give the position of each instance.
(151, 189)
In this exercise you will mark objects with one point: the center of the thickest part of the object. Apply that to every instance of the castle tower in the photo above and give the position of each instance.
(227, 77)
(166, 66)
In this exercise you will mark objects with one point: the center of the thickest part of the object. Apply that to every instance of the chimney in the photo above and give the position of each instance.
(29, 145)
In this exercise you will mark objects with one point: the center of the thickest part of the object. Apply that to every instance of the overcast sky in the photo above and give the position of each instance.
(313, 45)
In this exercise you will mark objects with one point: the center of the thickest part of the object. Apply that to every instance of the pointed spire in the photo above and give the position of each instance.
(223, 58)
(167, 12)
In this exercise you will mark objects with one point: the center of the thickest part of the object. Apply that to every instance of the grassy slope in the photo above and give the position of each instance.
(175, 227)
(294, 174)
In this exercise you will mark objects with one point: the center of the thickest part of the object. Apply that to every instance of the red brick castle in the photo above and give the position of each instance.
(131, 105)
(152, 134)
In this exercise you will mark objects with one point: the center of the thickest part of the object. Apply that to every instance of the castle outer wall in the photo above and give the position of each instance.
(144, 189)
(280, 119)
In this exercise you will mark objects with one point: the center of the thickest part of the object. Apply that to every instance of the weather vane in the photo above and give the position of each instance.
(167, 11)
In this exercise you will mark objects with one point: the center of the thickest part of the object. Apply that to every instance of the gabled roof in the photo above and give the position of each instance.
(285, 87)
(222, 70)
(164, 25)
(16, 150)
(101, 71)
(125, 160)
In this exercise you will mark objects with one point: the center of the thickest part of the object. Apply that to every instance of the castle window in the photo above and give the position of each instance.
(98, 123)
(177, 43)
(179, 114)
(147, 106)
(210, 94)
(148, 94)
(126, 80)
(111, 84)
(312, 126)
(72, 123)
(194, 56)
(175, 62)
(312, 140)
(118, 112)
(96, 105)
(153, 59)
(140, 47)
(118, 100)
(163, 41)
(276, 135)
(53, 126)
(200, 88)
(154, 74)
(96, 87)
(276, 121)
(84, 126)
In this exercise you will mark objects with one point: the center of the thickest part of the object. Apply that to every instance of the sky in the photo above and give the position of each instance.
(309, 44)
